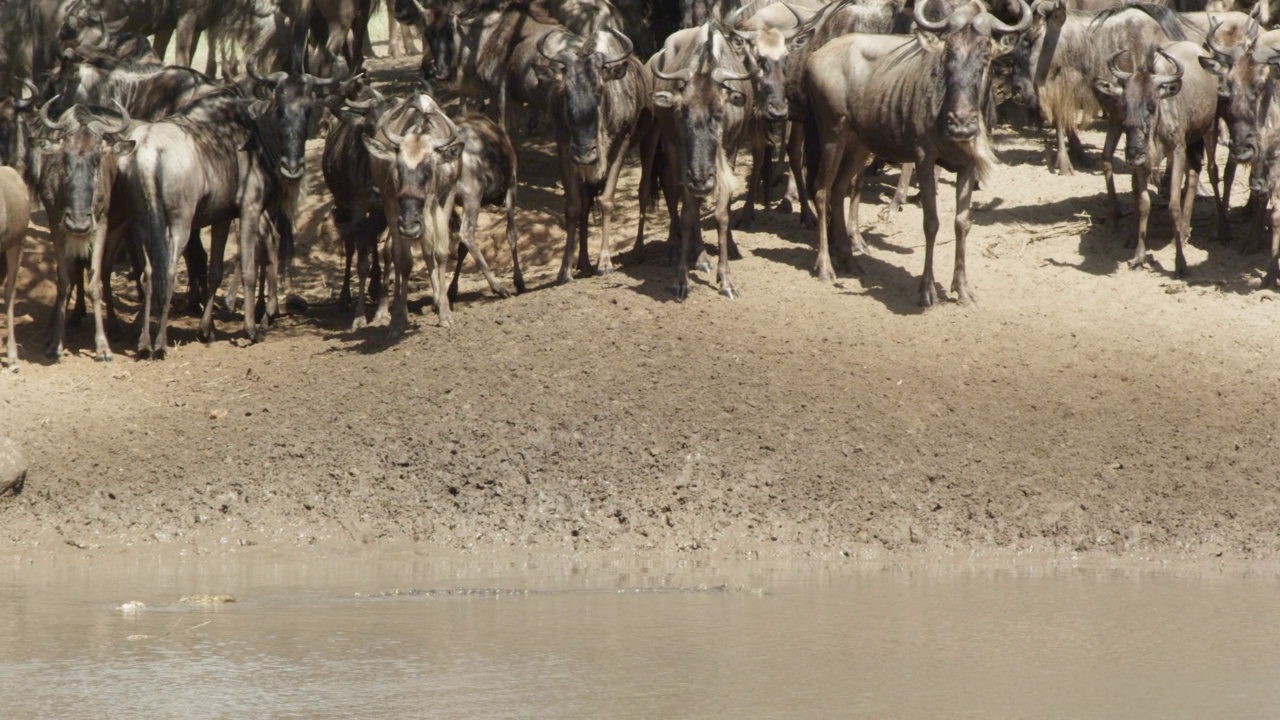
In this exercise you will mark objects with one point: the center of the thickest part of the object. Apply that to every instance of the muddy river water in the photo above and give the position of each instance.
(359, 636)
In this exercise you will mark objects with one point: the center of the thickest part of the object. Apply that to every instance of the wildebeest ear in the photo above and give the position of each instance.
(451, 151)
(120, 148)
(1004, 45)
(1212, 65)
(1106, 87)
(1169, 89)
(546, 73)
(663, 98)
(614, 71)
(737, 98)
(378, 150)
(44, 146)
(800, 39)
(931, 42)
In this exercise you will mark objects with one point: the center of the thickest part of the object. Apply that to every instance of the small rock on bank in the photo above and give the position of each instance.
(13, 467)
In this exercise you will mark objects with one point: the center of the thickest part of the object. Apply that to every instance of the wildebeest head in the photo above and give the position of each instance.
(1244, 85)
(466, 24)
(1139, 92)
(1265, 174)
(765, 52)
(80, 165)
(423, 162)
(292, 107)
(708, 100)
(577, 75)
(12, 107)
(433, 18)
(971, 37)
(1035, 48)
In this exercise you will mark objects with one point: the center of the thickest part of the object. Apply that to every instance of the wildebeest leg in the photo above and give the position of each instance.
(102, 350)
(1063, 160)
(471, 211)
(402, 261)
(197, 273)
(929, 201)
(185, 39)
(1108, 154)
(78, 313)
(589, 191)
(826, 196)
(387, 253)
(899, 194)
(688, 226)
(648, 154)
(1224, 204)
(512, 238)
(672, 194)
(13, 258)
(58, 321)
(1273, 262)
(605, 265)
(844, 243)
(160, 43)
(343, 219)
(1184, 165)
(723, 230)
(437, 269)
(179, 233)
(573, 204)
(248, 242)
(1255, 238)
(1142, 205)
(795, 156)
(759, 150)
(217, 265)
(964, 196)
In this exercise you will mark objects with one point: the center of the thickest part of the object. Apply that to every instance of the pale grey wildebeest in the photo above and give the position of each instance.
(1165, 96)
(487, 177)
(701, 106)
(15, 215)
(917, 99)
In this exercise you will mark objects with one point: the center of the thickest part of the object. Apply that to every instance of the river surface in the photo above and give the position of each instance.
(367, 636)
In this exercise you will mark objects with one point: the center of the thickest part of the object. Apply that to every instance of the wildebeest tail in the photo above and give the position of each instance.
(156, 242)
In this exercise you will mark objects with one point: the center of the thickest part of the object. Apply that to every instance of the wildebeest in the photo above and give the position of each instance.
(1264, 183)
(434, 23)
(597, 93)
(416, 167)
(701, 107)
(15, 216)
(1058, 58)
(13, 126)
(76, 178)
(1245, 87)
(1166, 97)
(918, 99)
(487, 177)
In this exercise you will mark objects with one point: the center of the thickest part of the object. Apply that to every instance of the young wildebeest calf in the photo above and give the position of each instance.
(917, 99)
(1168, 96)
(487, 177)
(15, 215)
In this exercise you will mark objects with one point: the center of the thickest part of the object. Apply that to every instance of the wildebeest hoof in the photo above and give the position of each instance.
(158, 354)
(681, 291)
(603, 270)
(446, 322)
(296, 304)
(103, 357)
(344, 302)
(928, 294)
(1137, 263)
(53, 353)
(13, 366)
(730, 292)
(703, 267)
(358, 323)
(563, 280)
(259, 336)
(809, 220)
(785, 207)
(503, 293)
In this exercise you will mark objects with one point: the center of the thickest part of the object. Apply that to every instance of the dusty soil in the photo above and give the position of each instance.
(1078, 406)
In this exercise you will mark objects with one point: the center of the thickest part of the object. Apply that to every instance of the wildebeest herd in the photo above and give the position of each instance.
(131, 157)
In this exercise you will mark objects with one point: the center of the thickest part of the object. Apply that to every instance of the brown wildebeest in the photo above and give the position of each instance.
(702, 112)
(487, 177)
(918, 99)
(598, 91)
(77, 173)
(1169, 98)
(15, 216)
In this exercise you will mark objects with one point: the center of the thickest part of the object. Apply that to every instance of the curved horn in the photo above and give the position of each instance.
(542, 50)
(1214, 24)
(251, 65)
(314, 82)
(66, 122)
(683, 75)
(628, 47)
(927, 24)
(392, 138)
(104, 127)
(799, 20)
(1024, 21)
(1121, 75)
(362, 105)
(721, 76)
(1177, 66)
(22, 103)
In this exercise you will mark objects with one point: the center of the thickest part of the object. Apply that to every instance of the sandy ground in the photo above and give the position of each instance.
(1078, 406)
